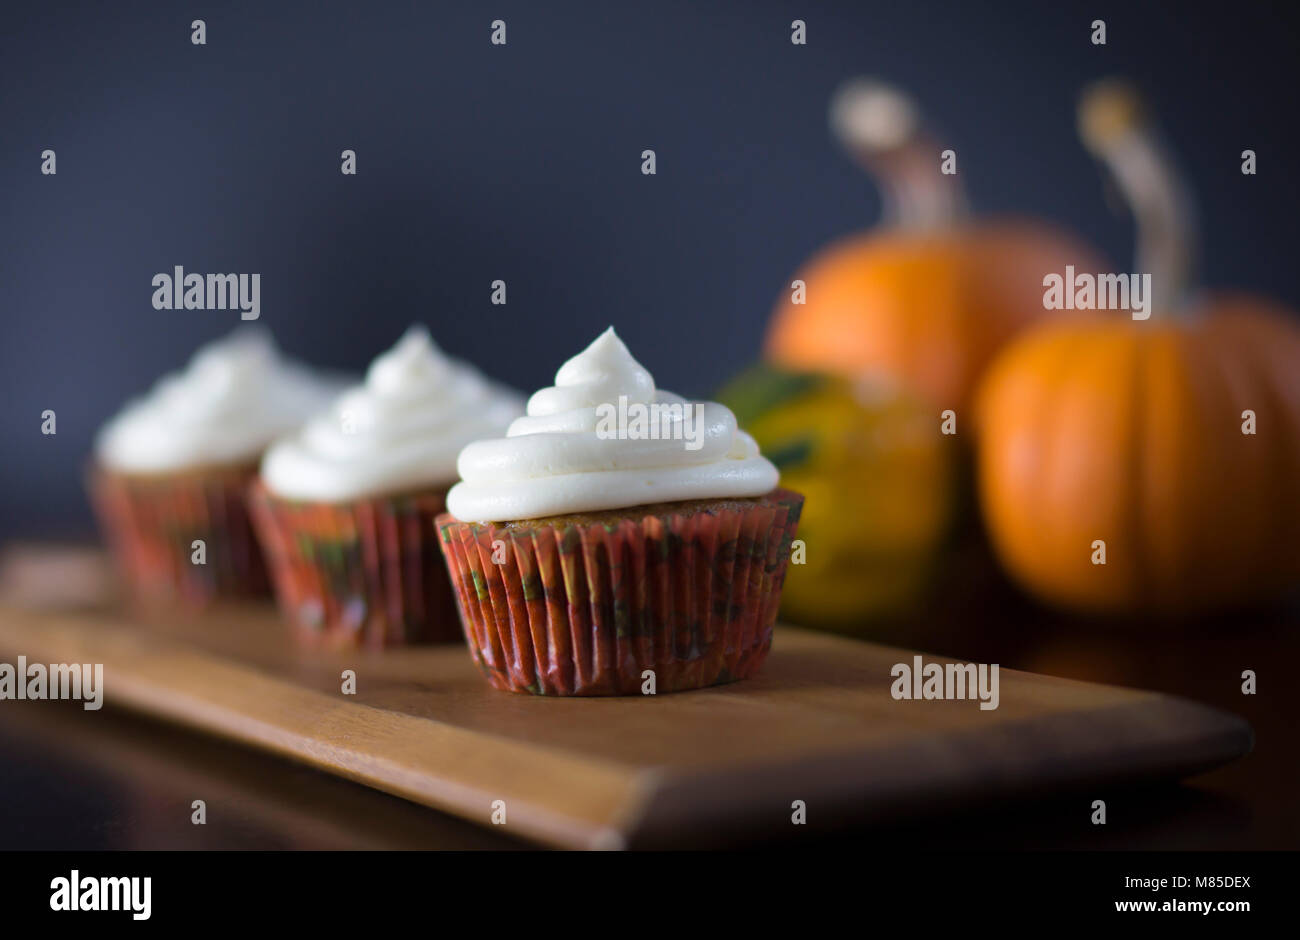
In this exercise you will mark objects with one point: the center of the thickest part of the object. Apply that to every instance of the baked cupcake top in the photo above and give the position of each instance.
(236, 395)
(604, 438)
(399, 431)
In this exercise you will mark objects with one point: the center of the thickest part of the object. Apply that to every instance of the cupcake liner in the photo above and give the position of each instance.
(366, 573)
(585, 608)
(152, 522)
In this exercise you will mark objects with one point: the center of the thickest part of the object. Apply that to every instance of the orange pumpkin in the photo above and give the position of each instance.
(1175, 440)
(929, 297)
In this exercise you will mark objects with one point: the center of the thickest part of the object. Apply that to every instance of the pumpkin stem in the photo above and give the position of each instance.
(1115, 126)
(881, 128)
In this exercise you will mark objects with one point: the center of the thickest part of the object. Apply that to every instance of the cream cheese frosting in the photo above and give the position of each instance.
(561, 457)
(236, 395)
(399, 430)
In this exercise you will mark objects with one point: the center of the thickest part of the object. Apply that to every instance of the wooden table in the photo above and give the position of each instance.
(146, 774)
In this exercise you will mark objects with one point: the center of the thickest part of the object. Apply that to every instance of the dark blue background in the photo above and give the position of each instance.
(522, 162)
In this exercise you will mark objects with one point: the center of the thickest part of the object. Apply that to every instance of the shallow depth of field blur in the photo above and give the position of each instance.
(845, 240)
(861, 281)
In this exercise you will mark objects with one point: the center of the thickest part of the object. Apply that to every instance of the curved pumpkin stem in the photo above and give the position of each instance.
(1115, 126)
(881, 128)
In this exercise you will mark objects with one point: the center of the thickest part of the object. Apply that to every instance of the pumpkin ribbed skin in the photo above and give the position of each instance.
(928, 309)
(1131, 432)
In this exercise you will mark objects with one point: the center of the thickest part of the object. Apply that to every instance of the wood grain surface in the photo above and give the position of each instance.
(818, 725)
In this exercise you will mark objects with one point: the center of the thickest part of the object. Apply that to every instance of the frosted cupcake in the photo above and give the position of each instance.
(345, 507)
(602, 545)
(170, 476)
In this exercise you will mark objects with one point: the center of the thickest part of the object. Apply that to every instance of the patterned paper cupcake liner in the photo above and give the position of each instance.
(367, 573)
(152, 523)
(585, 608)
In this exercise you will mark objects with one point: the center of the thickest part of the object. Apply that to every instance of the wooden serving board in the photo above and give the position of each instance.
(818, 725)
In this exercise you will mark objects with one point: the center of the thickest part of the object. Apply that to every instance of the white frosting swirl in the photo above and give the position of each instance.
(400, 430)
(560, 458)
(236, 395)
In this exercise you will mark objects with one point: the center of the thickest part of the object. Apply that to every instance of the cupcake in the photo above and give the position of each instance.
(345, 507)
(171, 469)
(616, 537)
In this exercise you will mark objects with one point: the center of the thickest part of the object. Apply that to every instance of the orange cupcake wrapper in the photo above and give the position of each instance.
(151, 525)
(586, 609)
(367, 573)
